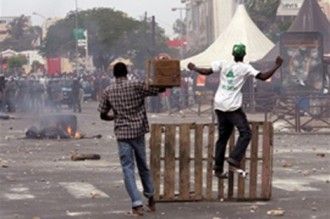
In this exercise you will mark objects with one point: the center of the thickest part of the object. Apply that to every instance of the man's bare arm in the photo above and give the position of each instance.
(268, 74)
(203, 71)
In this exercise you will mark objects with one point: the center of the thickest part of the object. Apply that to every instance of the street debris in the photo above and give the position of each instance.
(304, 172)
(91, 137)
(314, 208)
(3, 163)
(287, 165)
(10, 178)
(4, 116)
(46, 133)
(78, 157)
(320, 154)
(280, 127)
(276, 212)
(253, 208)
(95, 194)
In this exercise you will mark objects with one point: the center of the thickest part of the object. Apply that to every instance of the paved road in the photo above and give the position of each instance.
(39, 180)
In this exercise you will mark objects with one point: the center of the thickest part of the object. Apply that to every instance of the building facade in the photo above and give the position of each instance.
(4, 22)
(4, 25)
(206, 19)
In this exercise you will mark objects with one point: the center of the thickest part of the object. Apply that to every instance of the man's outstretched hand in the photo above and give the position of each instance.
(279, 61)
(191, 66)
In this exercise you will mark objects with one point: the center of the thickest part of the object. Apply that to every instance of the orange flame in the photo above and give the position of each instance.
(69, 130)
(76, 135)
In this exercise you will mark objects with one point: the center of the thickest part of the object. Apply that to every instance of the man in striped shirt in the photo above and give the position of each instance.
(124, 102)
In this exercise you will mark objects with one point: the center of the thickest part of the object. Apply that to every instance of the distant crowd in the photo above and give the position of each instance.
(37, 93)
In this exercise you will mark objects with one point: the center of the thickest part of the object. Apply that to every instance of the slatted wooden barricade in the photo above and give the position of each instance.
(181, 160)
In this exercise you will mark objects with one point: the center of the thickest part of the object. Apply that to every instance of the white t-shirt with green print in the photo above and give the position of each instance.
(232, 78)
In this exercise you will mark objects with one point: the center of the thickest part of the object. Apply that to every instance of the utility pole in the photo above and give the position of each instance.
(76, 46)
(180, 9)
(44, 25)
(153, 23)
(86, 49)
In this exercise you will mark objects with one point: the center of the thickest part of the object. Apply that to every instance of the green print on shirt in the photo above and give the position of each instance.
(230, 85)
(230, 74)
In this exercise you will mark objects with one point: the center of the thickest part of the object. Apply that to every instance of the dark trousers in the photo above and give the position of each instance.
(226, 123)
(76, 105)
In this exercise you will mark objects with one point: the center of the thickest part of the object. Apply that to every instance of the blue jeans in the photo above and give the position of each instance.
(226, 123)
(130, 150)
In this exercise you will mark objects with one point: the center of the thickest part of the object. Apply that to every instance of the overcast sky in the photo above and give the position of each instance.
(161, 9)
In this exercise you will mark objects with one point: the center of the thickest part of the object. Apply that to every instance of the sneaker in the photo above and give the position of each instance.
(151, 204)
(220, 174)
(138, 210)
(238, 170)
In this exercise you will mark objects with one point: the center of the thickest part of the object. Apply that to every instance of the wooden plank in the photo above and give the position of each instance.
(271, 156)
(184, 162)
(155, 146)
(266, 160)
(199, 161)
(221, 187)
(231, 178)
(241, 183)
(254, 161)
(209, 162)
(169, 165)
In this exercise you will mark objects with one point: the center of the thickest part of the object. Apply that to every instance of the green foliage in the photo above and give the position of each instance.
(111, 34)
(16, 62)
(263, 13)
(180, 27)
(35, 66)
(21, 35)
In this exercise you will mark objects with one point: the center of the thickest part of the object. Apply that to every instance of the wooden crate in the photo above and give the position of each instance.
(181, 160)
(163, 73)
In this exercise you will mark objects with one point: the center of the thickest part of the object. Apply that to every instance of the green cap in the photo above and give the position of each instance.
(239, 50)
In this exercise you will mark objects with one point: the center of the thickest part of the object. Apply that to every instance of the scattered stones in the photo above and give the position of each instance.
(320, 154)
(276, 212)
(287, 165)
(314, 208)
(253, 208)
(4, 164)
(95, 194)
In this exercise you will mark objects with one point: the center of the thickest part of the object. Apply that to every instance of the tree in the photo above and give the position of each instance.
(180, 27)
(263, 13)
(16, 62)
(110, 34)
(21, 35)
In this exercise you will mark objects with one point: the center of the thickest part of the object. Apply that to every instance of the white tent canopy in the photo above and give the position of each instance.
(241, 29)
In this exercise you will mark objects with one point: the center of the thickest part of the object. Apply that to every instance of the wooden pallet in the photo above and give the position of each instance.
(181, 160)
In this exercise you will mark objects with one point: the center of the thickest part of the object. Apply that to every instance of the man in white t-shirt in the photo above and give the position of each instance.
(228, 103)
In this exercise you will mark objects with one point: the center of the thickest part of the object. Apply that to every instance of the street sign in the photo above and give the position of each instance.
(78, 33)
(81, 42)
